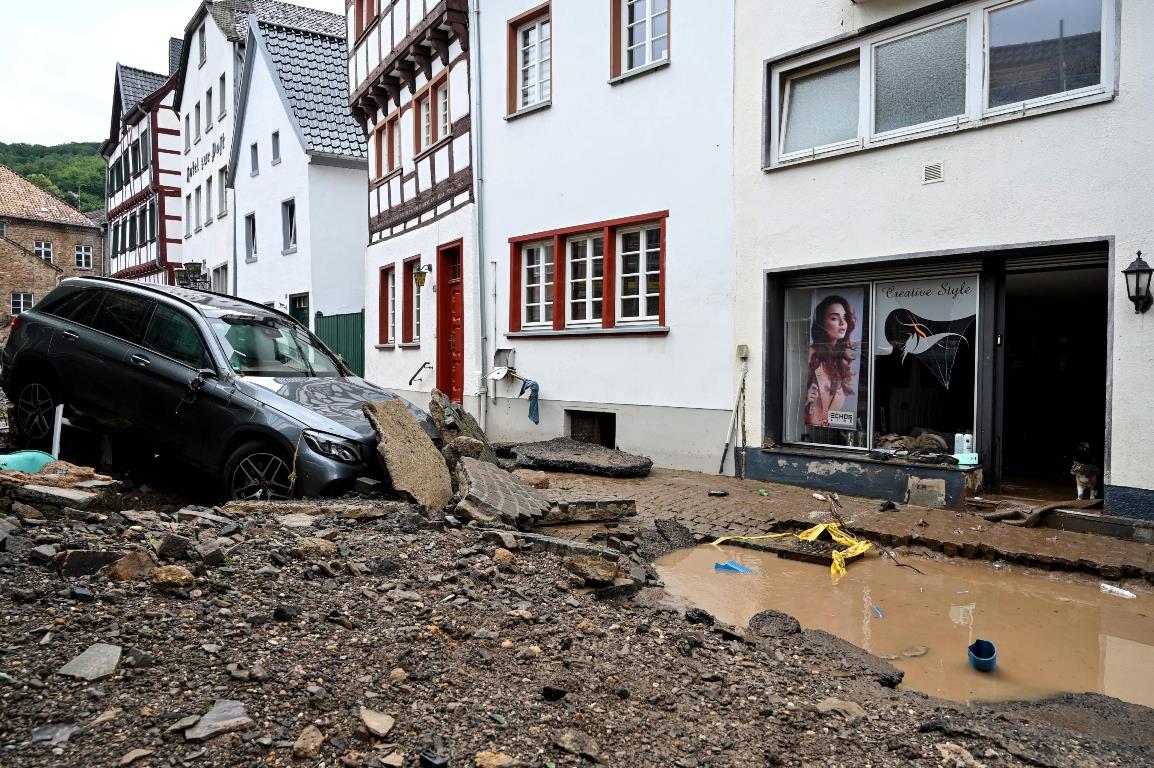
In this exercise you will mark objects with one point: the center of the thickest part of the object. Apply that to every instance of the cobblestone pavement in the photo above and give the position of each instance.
(753, 508)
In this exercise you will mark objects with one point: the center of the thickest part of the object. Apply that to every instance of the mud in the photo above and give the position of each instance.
(1055, 633)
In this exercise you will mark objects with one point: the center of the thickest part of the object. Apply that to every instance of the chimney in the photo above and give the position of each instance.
(174, 46)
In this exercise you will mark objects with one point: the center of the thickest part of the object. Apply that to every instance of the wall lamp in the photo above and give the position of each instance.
(1138, 283)
(423, 271)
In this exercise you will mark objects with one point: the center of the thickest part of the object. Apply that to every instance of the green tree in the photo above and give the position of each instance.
(47, 184)
(74, 172)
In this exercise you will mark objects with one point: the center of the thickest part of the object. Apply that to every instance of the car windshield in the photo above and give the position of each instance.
(270, 346)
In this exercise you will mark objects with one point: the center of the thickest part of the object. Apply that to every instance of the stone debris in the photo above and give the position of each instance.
(131, 567)
(308, 744)
(593, 571)
(53, 734)
(564, 454)
(771, 623)
(226, 715)
(589, 511)
(578, 743)
(98, 661)
(453, 422)
(172, 577)
(84, 562)
(495, 760)
(135, 755)
(533, 477)
(489, 495)
(314, 548)
(413, 463)
(847, 709)
(377, 723)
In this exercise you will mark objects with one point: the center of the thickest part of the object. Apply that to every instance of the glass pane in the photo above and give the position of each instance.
(598, 247)
(637, 33)
(629, 307)
(531, 256)
(596, 289)
(636, 10)
(598, 267)
(533, 295)
(660, 5)
(532, 275)
(532, 314)
(630, 286)
(652, 285)
(597, 310)
(548, 313)
(578, 270)
(546, 89)
(579, 290)
(630, 241)
(635, 57)
(921, 78)
(549, 272)
(548, 254)
(629, 264)
(822, 108)
(653, 238)
(577, 249)
(660, 26)
(826, 398)
(652, 307)
(652, 262)
(1042, 47)
(578, 312)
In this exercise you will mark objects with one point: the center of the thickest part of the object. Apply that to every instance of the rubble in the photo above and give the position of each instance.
(489, 494)
(414, 465)
(98, 661)
(563, 454)
(454, 422)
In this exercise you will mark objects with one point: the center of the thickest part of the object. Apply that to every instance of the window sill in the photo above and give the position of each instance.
(222, 214)
(253, 174)
(410, 345)
(275, 161)
(389, 176)
(196, 230)
(444, 140)
(221, 116)
(636, 330)
(288, 251)
(196, 141)
(208, 130)
(959, 127)
(187, 235)
(208, 221)
(384, 346)
(250, 259)
(639, 71)
(529, 110)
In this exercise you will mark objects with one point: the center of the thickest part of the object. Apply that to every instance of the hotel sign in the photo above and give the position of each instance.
(198, 164)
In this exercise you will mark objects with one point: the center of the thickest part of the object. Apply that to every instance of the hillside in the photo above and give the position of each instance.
(66, 168)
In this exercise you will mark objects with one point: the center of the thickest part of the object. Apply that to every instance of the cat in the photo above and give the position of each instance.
(1086, 478)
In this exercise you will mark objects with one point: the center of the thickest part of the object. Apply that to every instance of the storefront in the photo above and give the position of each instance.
(928, 378)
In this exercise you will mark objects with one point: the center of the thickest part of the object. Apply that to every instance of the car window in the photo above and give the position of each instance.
(78, 306)
(171, 333)
(270, 346)
(124, 316)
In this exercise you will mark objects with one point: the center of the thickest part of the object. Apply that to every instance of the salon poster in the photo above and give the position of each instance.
(836, 321)
(927, 322)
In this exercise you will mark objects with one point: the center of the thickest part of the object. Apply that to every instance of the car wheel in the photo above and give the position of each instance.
(36, 402)
(258, 472)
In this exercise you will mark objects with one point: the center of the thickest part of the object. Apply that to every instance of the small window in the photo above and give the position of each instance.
(219, 279)
(132, 231)
(644, 32)
(426, 128)
(188, 215)
(253, 160)
(537, 282)
(187, 133)
(533, 63)
(222, 188)
(123, 316)
(288, 214)
(221, 97)
(43, 249)
(115, 240)
(202, 45)
(197, 208)
(208, 200)
(145, 150)
(135, 152)
(387, 306)
(142, 225)
(585, 273)
(821, 107)
(443, 111)
(3, 229)
(250, 236)
(639, 268)
(920, 78)
(152, 221)
(173, 335)
(208, 109)
(275, 147)
(21, 302)
(196, 110)
(412, 306)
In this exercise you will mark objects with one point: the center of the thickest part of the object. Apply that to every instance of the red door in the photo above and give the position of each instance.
(450, 322)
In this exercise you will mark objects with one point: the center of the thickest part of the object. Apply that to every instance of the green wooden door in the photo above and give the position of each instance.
(299, 308)
(345, 335)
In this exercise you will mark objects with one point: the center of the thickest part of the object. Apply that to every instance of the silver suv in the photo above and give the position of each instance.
(234, 387)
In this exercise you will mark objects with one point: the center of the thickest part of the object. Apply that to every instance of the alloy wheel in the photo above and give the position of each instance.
(261, 476)
(35, 411)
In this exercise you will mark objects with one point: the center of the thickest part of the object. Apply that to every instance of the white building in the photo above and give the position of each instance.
(970, 178)
(607, 210)
(143, 178)
(298, 170)
(210, 69)
(409, 89)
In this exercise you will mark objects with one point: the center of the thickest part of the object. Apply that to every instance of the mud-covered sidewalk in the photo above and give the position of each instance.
(753, 508)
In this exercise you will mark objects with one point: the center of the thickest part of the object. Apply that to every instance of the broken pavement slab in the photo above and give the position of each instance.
(414, 464)
(490, 494)
(56, 497)
(453, 421)
(225, 716)
(564, 454)
(98, 661)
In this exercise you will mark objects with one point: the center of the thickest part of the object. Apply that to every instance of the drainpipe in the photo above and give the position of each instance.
(479, 196)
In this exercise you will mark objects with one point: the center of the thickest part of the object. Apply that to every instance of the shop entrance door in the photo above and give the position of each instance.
(1053, 379)
(451, 322)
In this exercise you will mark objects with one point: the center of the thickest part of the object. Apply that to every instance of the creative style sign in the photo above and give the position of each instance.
(926, 320)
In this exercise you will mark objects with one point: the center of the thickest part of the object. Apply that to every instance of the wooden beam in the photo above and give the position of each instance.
(408, 73)
(438, 40)
(381, 97)
(393, 86)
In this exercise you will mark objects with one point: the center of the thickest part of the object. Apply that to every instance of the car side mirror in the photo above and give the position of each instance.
(202, 376)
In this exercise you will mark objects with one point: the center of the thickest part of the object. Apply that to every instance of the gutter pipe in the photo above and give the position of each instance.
(479, 194)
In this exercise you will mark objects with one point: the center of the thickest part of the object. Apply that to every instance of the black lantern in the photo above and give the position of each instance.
(1138, 283)
(422, 271)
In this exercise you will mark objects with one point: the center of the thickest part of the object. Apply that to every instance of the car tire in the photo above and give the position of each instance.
(258, 471)
(35, 411)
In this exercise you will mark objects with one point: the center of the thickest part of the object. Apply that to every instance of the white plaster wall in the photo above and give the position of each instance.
(339, 231)
(1082, 173)
(660, 141)
(273, 275)
(212, 245)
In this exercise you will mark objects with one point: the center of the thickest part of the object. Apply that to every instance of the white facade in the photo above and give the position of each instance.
(599, 150)
(1060, 175)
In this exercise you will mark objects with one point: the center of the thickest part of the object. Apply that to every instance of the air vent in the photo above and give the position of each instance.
(932, 173)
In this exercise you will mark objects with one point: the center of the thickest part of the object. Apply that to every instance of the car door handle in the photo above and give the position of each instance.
(140, 360)
(70, 336)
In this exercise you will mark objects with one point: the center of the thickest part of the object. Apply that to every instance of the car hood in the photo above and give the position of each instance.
(320, 402)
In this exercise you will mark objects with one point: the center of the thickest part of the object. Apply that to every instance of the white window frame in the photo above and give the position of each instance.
(21, 304)
(250, 241)
(642, 275)
(3, 229)
(223, 100)
(539, 63)
(253, 160)
(187, 215)
(977, 18)
(416, 336)
(43, 249)
(83, 254)
(288, 215)
(589, 300)
(199, 202)
(218, 279)
(444, 116)
(208, 110)
(426, 118)
(649, 37)
(546, 288)
(391, 304)
(202, 46)
(187, 134)
(222, 190)
(393, 135)
(197, 111)
(208, 218)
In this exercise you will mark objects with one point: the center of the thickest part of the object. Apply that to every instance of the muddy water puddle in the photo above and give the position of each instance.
(1055, 633)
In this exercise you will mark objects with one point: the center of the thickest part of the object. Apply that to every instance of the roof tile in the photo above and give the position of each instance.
(21, 199)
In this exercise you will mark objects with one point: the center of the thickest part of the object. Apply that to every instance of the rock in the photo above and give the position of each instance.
(135, 755)
(26, 512)
(286, 612)
(172, 577)
(397, 760)
(98, 661)
(503, 556)
(847, 709)
(369, 486)
(460, 447)
(554, 692)
(453, 421)
(578, 743)
(314, 548)
(43, 554)
(55, 733)
(296, 520)
(678, 536)
(308, 744)
(772, 623)
(495, 760)
(226, 715)
(84, 562)
(133, 566)
(398, 675)
(854, 660)
(698, 616)
(83, 594)
(377, 723)
(57, 497)
(490, 494)
(210, 554)
(596, 571)
(564, 454)
(173, 547)
(533, 477)
(195, 514)
(412, 461)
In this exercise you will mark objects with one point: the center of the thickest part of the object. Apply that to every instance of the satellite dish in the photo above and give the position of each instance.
(498, 373)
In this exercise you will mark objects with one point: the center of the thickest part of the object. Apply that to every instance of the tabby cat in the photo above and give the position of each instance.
(1086, 477)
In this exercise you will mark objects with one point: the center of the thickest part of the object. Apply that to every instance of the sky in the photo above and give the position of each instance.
(59, 89)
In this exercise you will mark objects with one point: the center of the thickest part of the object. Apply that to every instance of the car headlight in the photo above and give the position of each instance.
(333, 447)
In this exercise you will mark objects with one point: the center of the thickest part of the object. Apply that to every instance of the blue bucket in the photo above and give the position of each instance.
(983, 656)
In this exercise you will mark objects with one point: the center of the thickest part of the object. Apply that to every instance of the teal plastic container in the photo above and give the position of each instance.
(25, 461)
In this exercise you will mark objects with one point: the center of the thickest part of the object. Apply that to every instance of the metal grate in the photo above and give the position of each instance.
(932, 173)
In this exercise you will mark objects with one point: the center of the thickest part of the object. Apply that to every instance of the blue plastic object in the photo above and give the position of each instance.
(25, 461)
(730, 565)
(983, 655)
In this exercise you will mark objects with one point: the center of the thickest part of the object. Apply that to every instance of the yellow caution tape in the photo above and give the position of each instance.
(853, 545)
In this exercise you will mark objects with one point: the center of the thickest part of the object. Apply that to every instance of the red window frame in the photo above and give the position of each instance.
(364, 14)
(429, 95)
(410, 286)
(608, 230)
(512, 56)
(383, 337)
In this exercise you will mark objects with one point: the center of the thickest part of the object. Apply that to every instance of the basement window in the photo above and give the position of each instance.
(595, 427)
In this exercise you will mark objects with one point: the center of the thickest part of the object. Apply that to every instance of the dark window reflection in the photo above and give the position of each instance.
(1043, 47)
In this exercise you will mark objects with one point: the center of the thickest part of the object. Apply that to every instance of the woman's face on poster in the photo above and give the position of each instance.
(835, 323)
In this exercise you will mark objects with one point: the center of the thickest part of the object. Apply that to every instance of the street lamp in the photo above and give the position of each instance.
(422, 271)
(1138, 283)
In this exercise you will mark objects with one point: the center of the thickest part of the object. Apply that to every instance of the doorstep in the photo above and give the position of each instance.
(854, 473)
